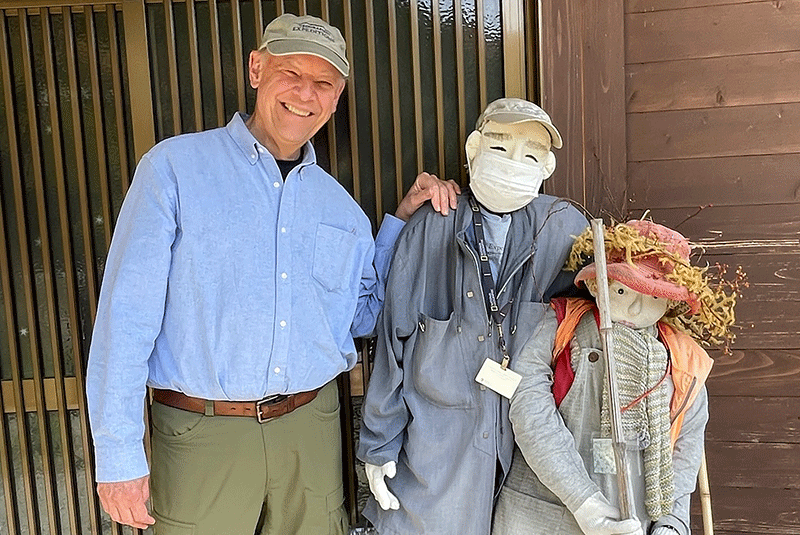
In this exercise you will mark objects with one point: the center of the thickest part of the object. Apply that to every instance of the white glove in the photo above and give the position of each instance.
(596, 516)
(377, 485)
(665, 530)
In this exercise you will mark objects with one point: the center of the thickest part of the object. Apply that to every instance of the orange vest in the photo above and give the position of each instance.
(690, 363)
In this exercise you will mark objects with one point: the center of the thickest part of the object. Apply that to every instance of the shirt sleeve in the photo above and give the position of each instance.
(129, 317)
(372, 289)
(540, 432)
(686, 457)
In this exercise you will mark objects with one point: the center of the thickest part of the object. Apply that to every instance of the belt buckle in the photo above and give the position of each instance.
(269, 400)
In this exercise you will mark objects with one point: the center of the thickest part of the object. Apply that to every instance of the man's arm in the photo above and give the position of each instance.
(130, 312)
(443, 196)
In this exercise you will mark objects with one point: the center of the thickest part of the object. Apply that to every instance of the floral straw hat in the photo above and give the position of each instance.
(654, 260)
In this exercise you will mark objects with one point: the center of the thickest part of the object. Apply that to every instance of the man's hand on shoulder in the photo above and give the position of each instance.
(443, 195)
(125, 501)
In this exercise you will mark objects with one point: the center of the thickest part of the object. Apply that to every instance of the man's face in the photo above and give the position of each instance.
(527, 142)
(295, 96)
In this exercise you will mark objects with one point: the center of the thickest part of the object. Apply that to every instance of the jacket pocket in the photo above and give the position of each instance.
(438, 367)
(333, 256)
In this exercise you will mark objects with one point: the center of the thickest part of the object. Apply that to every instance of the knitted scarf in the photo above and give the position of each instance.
(641, 361)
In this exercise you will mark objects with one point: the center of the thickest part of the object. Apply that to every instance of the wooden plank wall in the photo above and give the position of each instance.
(713, 141)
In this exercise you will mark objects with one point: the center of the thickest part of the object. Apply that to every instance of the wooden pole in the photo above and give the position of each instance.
(705, 497)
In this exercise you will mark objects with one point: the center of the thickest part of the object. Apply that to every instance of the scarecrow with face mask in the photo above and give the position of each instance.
(464, 292)
(563, 476)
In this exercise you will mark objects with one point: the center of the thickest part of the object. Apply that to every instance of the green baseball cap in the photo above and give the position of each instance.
(290, 34)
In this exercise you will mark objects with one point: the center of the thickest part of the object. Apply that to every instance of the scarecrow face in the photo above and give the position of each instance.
(634, 309)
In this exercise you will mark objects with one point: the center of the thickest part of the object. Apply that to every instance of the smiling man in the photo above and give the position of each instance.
(238, 275)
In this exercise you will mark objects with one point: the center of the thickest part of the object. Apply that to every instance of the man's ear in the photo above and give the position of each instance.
(254, 67)
(549, 164)
(472, 145)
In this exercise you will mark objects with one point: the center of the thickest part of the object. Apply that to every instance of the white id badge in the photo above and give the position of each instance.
(504, 382)
(603, 456)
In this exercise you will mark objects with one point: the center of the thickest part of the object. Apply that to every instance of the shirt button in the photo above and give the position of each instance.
(284, 275)
(262, 150)
(276, 184)
(480, 338)
(283, 230)
(470, 294)
(277, 369)
(486, 435)
(283, 323)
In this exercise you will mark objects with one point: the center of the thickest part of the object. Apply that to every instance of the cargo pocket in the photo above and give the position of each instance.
(439, 369)
(165, 526)
(337, 518)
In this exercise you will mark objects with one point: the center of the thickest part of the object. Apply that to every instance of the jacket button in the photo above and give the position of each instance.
(593, 356)
(486, 435)
(480, 338)
(470, 294)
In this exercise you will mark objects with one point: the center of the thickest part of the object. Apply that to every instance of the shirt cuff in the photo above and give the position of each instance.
(389, 231)
(121, 464)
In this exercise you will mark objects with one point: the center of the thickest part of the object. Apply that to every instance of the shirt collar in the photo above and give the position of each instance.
(252, 150)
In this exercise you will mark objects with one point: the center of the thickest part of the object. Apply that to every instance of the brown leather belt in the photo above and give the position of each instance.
(265, 409)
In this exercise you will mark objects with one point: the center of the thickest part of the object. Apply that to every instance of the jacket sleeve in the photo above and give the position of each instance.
(129, 316)
(385, 414)
(540, 432)
(686, 459)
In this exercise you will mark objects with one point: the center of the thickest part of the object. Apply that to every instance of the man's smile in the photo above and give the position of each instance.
(296, 111)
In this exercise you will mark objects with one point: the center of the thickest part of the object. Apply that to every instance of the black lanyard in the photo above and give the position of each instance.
(496, 314)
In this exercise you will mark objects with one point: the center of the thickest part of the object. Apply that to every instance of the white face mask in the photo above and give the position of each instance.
(504, 185)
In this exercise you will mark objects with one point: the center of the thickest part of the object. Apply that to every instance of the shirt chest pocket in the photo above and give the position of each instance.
(334, 251)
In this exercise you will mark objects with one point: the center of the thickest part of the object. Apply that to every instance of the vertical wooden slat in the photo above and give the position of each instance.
(480, 23)
(302, 6)
(88, 253)
(417, 81)
(258, 19)
(116, 73)
(66, 245)
(513, 49)
(439, 91)
(169, 25)
(531, 56)
(396, 122)
(194, 61)
(351, 101)
(217, 61)
(238, 54)
(332, 145)
(462, 101)
(373, 105)
(12, 511)
(99, 130)
(279, 7)
(139, 89)
(36, 161)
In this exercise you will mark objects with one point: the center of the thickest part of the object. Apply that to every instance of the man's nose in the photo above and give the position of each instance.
(305, 88)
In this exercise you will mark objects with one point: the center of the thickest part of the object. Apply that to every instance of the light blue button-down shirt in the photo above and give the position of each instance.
(224, 281)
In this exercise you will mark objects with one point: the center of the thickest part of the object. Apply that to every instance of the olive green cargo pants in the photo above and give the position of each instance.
(227, 475)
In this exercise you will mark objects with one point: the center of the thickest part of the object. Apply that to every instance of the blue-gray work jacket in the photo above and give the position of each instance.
(451, 437)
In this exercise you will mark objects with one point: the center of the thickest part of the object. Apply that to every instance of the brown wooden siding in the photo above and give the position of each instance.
(713, 139)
